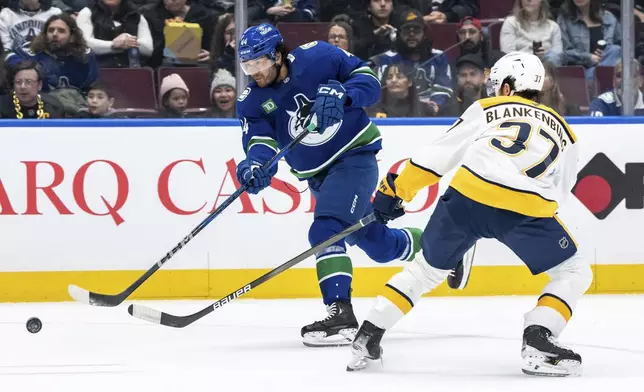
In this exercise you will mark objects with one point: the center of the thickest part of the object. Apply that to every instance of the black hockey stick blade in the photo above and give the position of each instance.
(158, 317)
(90, 298)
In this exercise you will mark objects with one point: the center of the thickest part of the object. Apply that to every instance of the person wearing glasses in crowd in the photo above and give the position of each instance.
(25, 99)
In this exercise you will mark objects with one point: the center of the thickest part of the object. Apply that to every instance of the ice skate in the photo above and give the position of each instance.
(337, 329)
(459, 277)
(366, 347)
(544, 356)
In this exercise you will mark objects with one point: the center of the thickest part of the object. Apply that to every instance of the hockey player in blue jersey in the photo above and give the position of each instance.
(329, 86)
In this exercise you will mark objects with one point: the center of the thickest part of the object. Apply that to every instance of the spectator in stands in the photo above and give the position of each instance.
(374, 31)
(584, 25)
(23, 20)
(609, 103)
(445, 11)
(25, 100)
(615, 6)
(222, 51)
(340, 33)
(223, 95)
(530, 29)
(71, 7)
(68, 66)
(99, 101)
(399, 97)
(174, 95)
(179, 11)
(287, 11)
(552, 97)
(116, 32)
(471, 79)
(472, 40)
(431, 75)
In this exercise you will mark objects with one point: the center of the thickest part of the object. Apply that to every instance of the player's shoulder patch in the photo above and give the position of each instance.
(244, 95)
(608, 97)
(309, 45)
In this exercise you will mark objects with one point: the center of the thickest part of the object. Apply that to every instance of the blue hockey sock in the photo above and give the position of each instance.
(334, 268)
(383, 244)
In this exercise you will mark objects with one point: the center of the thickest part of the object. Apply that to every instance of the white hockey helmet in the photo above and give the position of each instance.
(525, 70)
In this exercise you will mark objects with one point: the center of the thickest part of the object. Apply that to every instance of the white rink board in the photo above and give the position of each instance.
(48, 240)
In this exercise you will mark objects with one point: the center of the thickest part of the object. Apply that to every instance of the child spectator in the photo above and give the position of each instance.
(223, 95)
(116, 32)
(99, 101)
(174, 95)
(530, 29)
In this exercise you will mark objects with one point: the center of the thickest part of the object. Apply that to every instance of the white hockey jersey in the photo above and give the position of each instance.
(514, 154)
(19, 28)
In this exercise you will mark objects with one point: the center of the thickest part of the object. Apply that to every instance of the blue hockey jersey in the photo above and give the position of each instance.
(60, 72)
(608, 104)
(269, 116)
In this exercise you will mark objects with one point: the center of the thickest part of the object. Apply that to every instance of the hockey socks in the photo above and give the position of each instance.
(335, 274)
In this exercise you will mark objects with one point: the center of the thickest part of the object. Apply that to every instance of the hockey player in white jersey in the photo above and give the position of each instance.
(516, 162)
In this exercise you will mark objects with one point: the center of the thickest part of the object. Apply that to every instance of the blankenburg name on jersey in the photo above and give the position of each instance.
(521, 111)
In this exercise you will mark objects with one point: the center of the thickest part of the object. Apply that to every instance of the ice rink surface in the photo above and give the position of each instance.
(444, 344)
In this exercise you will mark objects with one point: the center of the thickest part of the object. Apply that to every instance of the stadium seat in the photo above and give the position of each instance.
(296, 34)
(197, 80)
(603, 79)
(495, 9)
(443, 37)
(131, 87)
(494, 35)
(572, 83)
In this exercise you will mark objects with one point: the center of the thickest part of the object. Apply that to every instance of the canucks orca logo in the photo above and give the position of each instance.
(295, 127)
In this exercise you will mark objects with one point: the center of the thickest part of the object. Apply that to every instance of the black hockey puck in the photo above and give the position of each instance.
(34, 325)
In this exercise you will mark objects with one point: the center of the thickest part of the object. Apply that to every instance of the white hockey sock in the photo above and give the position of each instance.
(404, 290)
(569, 281)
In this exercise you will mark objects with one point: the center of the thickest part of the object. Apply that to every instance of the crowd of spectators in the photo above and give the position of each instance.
(56, 53)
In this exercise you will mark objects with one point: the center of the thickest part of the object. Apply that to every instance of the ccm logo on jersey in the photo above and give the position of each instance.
(330, 91)
(601, 186)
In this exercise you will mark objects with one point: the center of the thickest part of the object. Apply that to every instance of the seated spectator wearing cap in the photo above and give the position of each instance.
(375, 31)
(609, 103)
(223, 95)
(431, 71)
(552, 97)
(25, 100)
(398, 97)
(472, 40)
(471, 80)
(585, 30)
(529, 29)
(174, 95)
(340, 33)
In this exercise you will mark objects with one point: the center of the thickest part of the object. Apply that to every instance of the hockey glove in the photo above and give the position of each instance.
(328, 107)
(253, 171)
(386, 205)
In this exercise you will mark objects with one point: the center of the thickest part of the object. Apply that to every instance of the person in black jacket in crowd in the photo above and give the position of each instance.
(375, 31)
(223, 44)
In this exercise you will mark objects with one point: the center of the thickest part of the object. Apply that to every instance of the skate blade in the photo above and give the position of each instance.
(343, 338)
(538, 365)
(361, 362)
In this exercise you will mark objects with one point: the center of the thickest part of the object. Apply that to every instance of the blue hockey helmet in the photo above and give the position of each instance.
(257, 42)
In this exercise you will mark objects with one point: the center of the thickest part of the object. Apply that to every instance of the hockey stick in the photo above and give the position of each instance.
(155, 316)
(97, 299)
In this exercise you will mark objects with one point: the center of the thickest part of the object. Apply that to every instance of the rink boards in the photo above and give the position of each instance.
(97, 203)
